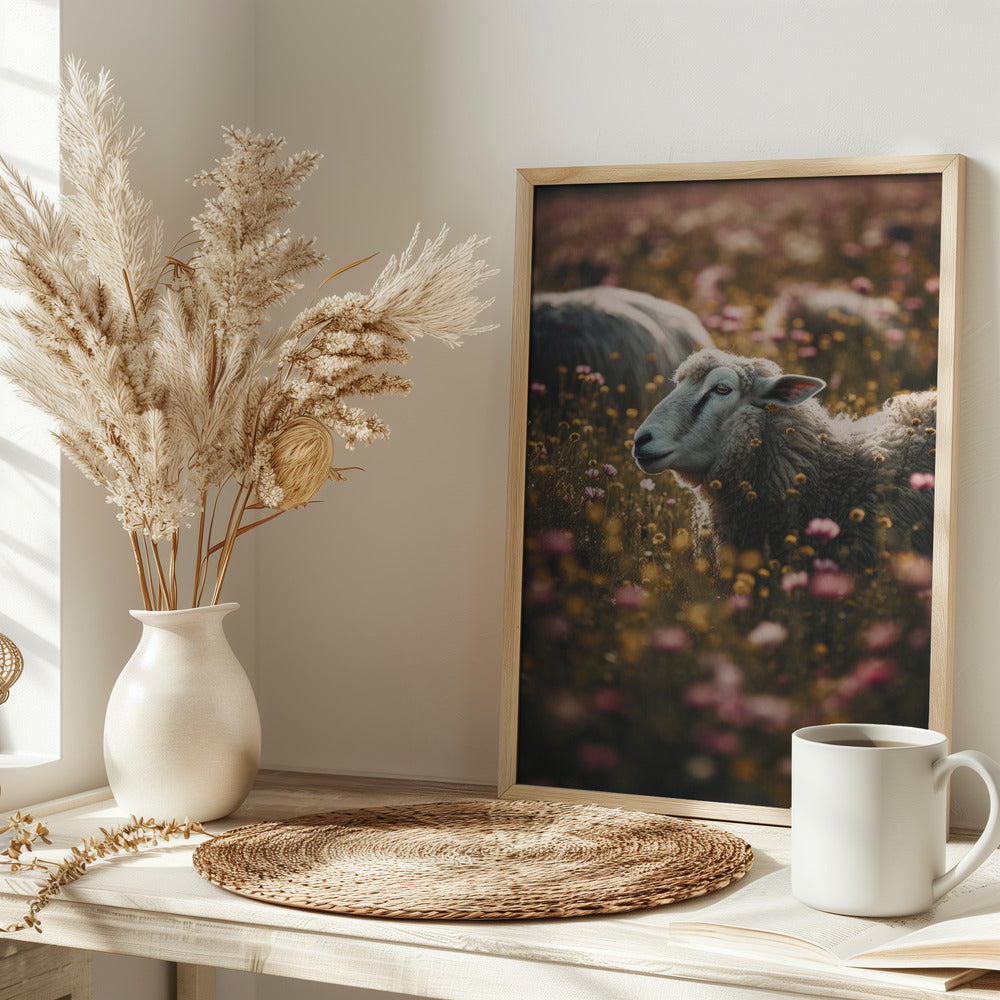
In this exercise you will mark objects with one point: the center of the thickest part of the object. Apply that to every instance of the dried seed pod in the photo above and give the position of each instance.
(11, 663)
(301, 459)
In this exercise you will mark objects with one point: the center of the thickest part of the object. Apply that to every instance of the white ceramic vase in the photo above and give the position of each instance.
(182, 731)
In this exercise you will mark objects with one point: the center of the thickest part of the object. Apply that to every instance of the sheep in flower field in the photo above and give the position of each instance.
(626, 336)
(772, 470)
(820, 310)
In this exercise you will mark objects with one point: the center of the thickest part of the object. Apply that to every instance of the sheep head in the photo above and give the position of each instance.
(689, 429)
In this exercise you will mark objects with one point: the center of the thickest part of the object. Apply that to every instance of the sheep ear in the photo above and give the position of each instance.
(787, 390)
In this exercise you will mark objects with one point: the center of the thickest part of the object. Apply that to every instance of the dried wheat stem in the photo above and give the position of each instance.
(246, 527)
(174, 542)
(201, 540)
(131, 297)
(340, 271)
(143, 586)
(163, 590)
(232, 530)
(211, 526)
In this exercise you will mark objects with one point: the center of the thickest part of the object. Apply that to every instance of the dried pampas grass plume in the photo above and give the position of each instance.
(301, 458)
(161, 377)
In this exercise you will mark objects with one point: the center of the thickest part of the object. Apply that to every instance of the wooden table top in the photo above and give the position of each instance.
(156, 905)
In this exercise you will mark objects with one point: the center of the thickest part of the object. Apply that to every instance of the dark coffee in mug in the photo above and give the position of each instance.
(867, 743)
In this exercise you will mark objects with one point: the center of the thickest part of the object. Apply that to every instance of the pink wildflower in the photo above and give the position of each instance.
(629, 597)
(822, 528)
(773, 712)
(608, 700)
(700, 695)
(895, 337)
(807, 351)
(724, 744)
(592, 472)
(768, 634)
(538, 388)
(922, 480)
(540, 592)
(912, 570)
(708, 280)
(794, 581)
(831, 585)
(609, 470)
(734, 709)
(881, 635)
(555, 543)
(862, 285)
(647, 484)
(932, 285)
(598, 757)
(727, 674)
(583, 369)
(731, 320)
(912, 302)
(555, 628)
(873, 671)
(670, 639)
(592, 493)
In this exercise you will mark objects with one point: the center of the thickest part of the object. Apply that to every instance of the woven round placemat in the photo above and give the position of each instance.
(475, 860)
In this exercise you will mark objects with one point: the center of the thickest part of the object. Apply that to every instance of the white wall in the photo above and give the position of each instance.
(380, 608)
(30, 572)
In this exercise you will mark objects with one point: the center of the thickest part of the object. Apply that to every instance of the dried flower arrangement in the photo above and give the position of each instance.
(163, 387)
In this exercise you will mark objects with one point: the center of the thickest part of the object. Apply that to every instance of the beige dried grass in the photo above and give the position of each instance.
(164, 387)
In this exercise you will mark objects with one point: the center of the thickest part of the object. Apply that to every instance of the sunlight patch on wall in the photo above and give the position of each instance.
(29, 458)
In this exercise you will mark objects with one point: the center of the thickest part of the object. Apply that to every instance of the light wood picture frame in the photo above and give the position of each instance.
(652, 660)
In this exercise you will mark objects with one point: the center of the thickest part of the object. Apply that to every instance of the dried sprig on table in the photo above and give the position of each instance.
(164, 388)
(25, 831)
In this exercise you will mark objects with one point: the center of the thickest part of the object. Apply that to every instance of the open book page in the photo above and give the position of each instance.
(766, 911)
(766, 908)
(972, 941)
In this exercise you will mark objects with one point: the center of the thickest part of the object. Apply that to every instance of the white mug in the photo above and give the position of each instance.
(869, 818)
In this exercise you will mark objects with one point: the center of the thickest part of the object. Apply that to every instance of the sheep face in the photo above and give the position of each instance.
(688, 430)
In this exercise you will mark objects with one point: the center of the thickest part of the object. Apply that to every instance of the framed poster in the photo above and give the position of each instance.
(730, 472)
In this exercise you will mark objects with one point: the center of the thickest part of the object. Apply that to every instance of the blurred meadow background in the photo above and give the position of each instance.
(647, 666)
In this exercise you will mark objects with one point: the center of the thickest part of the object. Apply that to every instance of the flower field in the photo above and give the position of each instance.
(650, 662)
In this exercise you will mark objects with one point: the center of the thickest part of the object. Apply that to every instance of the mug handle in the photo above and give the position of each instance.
(989, 839)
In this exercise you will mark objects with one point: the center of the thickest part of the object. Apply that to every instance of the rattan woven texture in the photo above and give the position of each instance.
(475, 860)
(11, 664)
